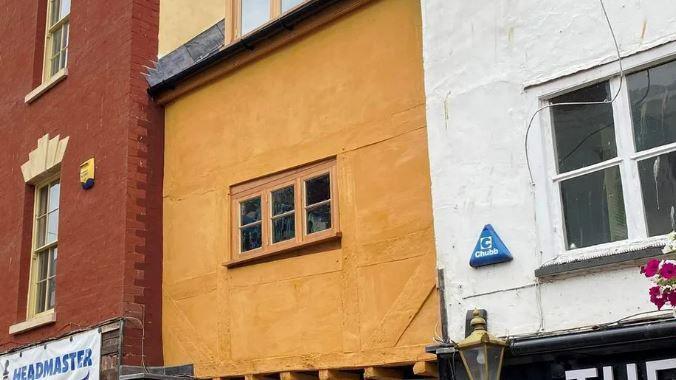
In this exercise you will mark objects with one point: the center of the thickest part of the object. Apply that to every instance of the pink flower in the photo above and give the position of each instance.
(668, 270)
(672, 298)
(651, 268)
(658, 301)
(654, 291)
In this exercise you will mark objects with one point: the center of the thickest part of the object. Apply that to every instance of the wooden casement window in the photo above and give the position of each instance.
(248, 15)
(45, 240)
(284, 211)
(56, 39)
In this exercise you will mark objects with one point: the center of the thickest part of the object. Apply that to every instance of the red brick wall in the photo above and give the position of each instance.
(110, 238)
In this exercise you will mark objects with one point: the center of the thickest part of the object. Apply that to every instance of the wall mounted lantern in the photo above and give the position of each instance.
(481, 352)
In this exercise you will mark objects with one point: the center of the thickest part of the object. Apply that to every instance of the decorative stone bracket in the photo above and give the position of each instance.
(45, 159)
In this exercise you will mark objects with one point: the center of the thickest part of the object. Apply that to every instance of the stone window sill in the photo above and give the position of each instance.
(627, 256)
(46, 86)
(35, 322)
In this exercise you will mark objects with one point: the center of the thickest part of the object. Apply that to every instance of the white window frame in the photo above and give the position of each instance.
(549, 208)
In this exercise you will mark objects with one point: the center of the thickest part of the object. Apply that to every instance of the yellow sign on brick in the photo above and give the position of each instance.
(87, 174)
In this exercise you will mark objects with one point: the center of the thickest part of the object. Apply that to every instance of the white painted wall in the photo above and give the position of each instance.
(479, 56)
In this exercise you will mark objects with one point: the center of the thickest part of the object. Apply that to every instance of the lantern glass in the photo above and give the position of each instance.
(494, 355)
(483, 362)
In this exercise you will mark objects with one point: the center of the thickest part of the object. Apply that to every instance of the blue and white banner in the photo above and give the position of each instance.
(76, 357)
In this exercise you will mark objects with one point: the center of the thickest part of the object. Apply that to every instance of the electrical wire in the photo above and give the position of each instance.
(143, 339)
(595, 327)
(608, 101)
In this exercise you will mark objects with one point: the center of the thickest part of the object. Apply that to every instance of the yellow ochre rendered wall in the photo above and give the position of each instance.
(353, 89)
(181, 20)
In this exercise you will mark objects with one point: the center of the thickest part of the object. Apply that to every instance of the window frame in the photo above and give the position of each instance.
(49, 32)
(263, 188)
(36, 250)
(549, 204)
(233, 18)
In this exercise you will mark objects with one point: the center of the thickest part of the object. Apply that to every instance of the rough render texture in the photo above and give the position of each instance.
(478, 58)
(352, 89)
(110, 249)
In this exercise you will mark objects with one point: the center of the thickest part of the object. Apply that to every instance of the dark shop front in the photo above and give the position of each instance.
(637, 351)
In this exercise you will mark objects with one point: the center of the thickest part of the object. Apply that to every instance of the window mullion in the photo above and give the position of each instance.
(631, 186)
(266, 237)
(300, 210)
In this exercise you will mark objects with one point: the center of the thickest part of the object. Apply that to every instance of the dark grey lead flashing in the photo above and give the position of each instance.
(597, 262)
(203, 45)
(280, 25)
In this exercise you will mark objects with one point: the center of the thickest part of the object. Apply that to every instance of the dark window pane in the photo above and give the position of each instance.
(593, 208)
(43, 261)
(254, 14)
(282, 200)
(42, 200)
(51, 293)
(317, 189)
(57, 41)
(52, 264)
(288, 4)
(54, 11)
(658, 185)
(652, 94)
(283, 228)
(319, 218)
(55, 64)
(41, 226)
(251, 238)
(40, 295)
(60, 9)
(250, 211)
(584, 134)
(64, 47)
(667, 374)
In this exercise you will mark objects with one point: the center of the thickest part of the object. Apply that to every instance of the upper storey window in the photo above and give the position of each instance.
(56, 45)
(249, 15)
(45, 243)
(287, 5)
(254, 14)
(283, 211)
(615, 164)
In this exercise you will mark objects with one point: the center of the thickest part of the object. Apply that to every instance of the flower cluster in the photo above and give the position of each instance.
(663, 274)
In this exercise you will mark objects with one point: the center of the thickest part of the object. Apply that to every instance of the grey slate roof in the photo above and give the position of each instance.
(200, 47)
